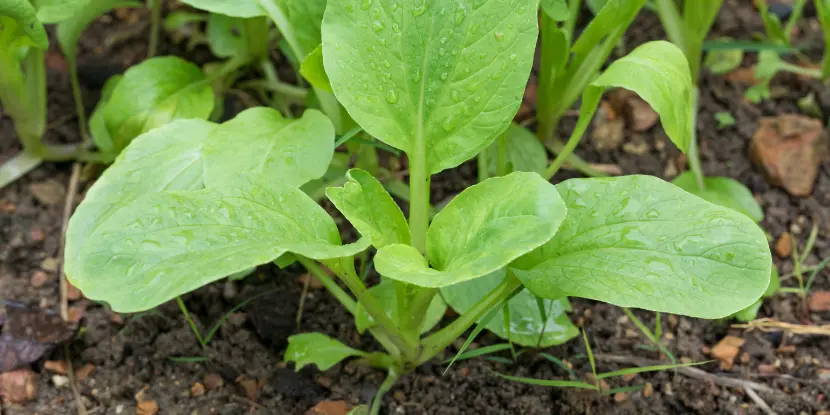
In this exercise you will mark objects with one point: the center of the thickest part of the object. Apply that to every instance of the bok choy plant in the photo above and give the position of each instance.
(193, 201)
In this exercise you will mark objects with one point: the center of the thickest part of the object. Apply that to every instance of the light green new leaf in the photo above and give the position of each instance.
(527, 327)
(236, 8)
(226, 35)
(259, 141)
(313, 71)
(659, 73)
(154, 93)
(388, 299)
(53, 11)
(479, 231)
(722, 191)
(97, 124)
(437, 80)
(360, 410)
(556, 9)
(170, 243)
(523, 151)
(21, 26)
(370, 209)
(751, 313)
(317, 349)
(167, 158)
(638, 241)
(721, 61)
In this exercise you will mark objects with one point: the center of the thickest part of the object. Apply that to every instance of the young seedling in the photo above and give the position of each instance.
(23, 42)
(192, 201)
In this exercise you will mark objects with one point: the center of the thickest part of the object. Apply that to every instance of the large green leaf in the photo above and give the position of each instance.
(388, 299)
(53, 11)
(527, 326)
(236, 8)
(638, 241)
(659, 73)
(370, 209)
(317, 349)
(522, 151)
(722, 191)
(154, 93)
(20, 26)
(226, 35)
(481, 230)
(261, 141)
(556, 9)
(170, 243)
(438, 80)
(167, 158)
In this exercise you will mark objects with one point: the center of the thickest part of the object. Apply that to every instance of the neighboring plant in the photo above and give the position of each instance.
(823, 12)
(570, 62)
(191, 201)
(23, 42)
(775, 31)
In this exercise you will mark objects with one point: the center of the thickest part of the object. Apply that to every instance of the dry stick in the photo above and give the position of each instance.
(768, 324)
(302, 300)
(71, 191)
(67, 211)
(758, 401)
(691, 372)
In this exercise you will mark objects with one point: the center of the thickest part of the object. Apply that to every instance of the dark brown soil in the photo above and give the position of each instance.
(133, 353)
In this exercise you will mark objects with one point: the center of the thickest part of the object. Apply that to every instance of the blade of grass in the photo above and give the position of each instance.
(623, 389)
(655, 368)
(348, 136)
(811, 242)
(748, 46)
(649, 334)
(190, 322)
(187, 359)
(479, 327)
(544, 382)
(498, 359)
(815, 272)
(590, 354)
(555, 360)
(225, 316)
(479, 352)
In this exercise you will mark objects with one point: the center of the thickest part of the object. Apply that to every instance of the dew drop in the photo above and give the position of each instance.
(416, 76)
(373, 66)
(499, 36)
(460, 14)
(387, 64)
(365, 4)
(377, 25)
(442, 52)
(455, 96)
(443, 40)
(444, 76)
(449, 124)
(391, 96)
(420, 9)
(513, 57)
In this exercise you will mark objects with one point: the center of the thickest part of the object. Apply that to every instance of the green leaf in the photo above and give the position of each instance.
(317, 349)
(480, 231)
(21, 26)
(236, 8)
(549, 383)
(722, 191)
(523, 150)
(70, 29)
(638, 241)
(388, 299)
(166, 244)
(259, 141)
(167, 158)
(774, 283)
(725, 119)
(750, 313)
(299, 22)
(227, 36)
(439, 81)
(645, 369)
(53, 11)
(313, 71)
(370, 209)
(360, 410)
(721, 61)
(527, 327)
(179, 19)
(556, 9)
(659, 73)
(154, 93)
(97, 123)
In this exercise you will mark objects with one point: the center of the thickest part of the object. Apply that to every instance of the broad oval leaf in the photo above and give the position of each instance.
(259, 141)
(722, 191)
(227, 36)
(317, 349)
(236, 8)
(659, 73)
(313, 71)
(638, 241)
(523, 151)
(370, 209)
(154, 93)
(20, 17)
(479, 231)
(388, 299)
(170, 243)
(527, 326)
(53, 11)
(167, 158)
(437, 80)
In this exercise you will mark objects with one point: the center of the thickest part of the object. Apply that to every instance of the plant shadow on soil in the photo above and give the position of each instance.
(134, 353)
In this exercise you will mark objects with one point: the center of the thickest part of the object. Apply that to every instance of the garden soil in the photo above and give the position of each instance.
(154, 356)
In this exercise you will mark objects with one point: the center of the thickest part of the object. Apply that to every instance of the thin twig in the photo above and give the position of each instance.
(758, 401)
(691, 372)
(69, 203)
(302, 300)
(245, 400)
(73, 382)
(768, 325)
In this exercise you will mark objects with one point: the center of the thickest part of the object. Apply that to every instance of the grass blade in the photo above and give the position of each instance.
(558, 362)
(480, 352)
(545, 382)
(590, 353)
(655, 368)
